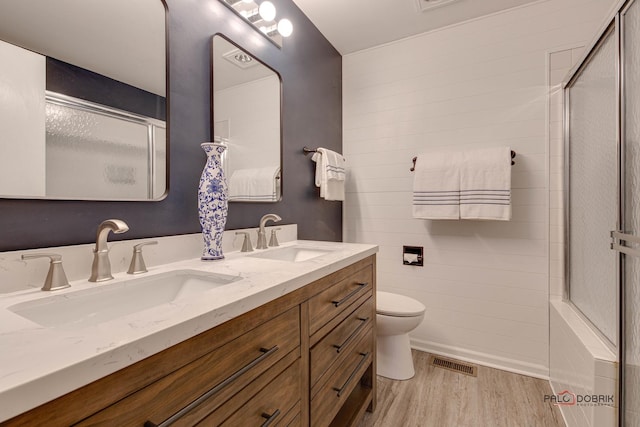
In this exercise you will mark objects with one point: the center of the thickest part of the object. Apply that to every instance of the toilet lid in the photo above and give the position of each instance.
(398, 305)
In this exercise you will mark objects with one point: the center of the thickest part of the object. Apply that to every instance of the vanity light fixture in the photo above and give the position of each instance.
(274, 30)
(267, 11)
(285, 27)
(262, 14)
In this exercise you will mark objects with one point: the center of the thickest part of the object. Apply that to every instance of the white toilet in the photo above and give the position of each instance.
(396, 316)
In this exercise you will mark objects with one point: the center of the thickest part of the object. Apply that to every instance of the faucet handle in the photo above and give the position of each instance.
(246, 244)
(137, 265)
(56, 278)
(138, 247)
(273, 241)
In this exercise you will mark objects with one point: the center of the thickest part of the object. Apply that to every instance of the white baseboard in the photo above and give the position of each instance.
(509, 365)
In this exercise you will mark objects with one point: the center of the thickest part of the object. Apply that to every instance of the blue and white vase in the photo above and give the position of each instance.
(213, 201)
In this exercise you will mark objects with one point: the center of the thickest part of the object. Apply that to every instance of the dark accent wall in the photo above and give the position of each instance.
(311, 71)
(71, 80)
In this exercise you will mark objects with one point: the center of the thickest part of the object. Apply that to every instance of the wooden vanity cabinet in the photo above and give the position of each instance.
(304, 359)
(342, 349)
(251, 359)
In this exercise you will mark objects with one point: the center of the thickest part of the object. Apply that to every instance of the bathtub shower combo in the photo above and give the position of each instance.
(602, 197)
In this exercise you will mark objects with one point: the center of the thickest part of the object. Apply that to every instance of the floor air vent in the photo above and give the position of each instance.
(454, 365)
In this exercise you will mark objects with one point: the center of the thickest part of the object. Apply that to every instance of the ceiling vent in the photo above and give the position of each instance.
(240, 59)
(424, 5)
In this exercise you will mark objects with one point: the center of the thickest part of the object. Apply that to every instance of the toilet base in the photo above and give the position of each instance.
(394, 359)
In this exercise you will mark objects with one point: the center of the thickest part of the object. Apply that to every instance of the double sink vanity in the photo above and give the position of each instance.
(283, 336)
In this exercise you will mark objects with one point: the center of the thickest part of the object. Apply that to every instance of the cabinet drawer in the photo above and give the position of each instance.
(329, 349)
(271, 406)
(217, 376)
(333, 300)
(333, 392)
(296, 421)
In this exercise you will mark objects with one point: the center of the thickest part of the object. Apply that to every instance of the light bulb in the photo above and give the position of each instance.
(285, 28)
(267, 11)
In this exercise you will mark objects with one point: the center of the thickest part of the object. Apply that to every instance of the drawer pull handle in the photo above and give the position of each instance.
(270, 418)
(349, 295)
(353, 334)
(175, 417)
(353, 374)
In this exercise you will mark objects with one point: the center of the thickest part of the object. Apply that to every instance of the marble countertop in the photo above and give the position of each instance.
(40, 364)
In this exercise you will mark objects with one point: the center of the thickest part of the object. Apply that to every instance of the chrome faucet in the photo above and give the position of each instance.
(262, 235)
(101, 268)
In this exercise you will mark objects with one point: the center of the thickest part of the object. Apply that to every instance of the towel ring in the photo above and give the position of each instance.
(415, 159)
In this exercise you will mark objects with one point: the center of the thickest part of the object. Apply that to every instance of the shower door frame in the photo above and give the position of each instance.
(610, 28)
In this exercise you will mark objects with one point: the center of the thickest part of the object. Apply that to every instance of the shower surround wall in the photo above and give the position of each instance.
(479, 84)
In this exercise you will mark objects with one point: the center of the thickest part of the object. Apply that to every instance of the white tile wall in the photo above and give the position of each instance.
(480, 84)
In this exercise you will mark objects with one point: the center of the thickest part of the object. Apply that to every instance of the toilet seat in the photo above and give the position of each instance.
(395, 305)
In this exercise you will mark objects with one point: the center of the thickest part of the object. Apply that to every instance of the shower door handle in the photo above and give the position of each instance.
(619, 238)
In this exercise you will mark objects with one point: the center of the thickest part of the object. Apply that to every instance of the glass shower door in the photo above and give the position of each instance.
(593, 201)
(629, 242)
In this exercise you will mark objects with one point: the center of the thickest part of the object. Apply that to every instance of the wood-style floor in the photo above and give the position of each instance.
(436, 397)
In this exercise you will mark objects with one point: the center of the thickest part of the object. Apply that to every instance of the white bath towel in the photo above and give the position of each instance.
(436, 185)
(485, 184)
(254, 185)
(330, 174)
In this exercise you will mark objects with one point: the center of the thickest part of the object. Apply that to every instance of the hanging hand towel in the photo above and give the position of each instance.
(485, 184)
(436, 186)
(330, 174)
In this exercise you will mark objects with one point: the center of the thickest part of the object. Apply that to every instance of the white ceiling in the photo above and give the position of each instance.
(352, 25)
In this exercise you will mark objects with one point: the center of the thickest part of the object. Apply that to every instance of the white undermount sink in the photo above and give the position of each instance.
(75, 310)
(292, 253)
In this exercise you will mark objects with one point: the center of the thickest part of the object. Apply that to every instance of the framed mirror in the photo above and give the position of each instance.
(246, 101)
(83, 111)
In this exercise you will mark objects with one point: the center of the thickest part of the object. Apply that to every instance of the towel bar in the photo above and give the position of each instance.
(413, 168)
(308, 150)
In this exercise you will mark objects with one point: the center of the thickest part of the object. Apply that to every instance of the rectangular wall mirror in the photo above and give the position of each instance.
(247, 117)
(83, 111)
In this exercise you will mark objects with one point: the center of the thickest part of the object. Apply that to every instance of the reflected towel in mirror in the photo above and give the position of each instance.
(254, 185)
